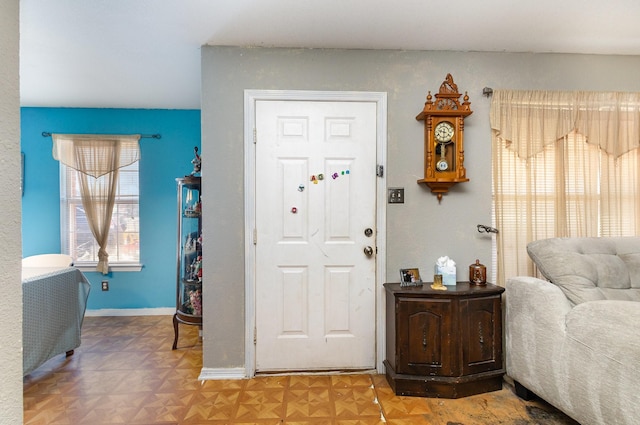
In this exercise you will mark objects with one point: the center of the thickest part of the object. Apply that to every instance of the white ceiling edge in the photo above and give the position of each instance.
(147, 53)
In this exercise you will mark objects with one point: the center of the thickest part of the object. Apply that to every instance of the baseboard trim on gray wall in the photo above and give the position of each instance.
(161, 311)
(210, 374)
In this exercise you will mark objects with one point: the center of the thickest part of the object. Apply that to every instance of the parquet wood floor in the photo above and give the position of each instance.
(126, 373)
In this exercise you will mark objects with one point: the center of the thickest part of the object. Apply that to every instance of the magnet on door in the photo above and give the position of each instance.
(294, 210)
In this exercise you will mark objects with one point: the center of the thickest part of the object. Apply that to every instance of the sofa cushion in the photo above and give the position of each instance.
(590, 269)
(607, 329)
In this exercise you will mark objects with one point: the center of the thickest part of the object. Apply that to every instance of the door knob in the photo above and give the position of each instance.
(368, 251)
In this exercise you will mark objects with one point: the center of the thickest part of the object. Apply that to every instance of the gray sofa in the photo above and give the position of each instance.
(574, 340)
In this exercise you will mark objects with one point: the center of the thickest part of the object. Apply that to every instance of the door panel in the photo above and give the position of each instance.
(315, 195)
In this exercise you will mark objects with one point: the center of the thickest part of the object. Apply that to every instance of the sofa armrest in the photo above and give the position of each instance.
(535, 324)
(536, 301)
(580, 358)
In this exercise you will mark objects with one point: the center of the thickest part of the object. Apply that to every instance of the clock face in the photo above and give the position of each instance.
(443, 131)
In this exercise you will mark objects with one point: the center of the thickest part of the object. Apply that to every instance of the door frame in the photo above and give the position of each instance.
(250, 99)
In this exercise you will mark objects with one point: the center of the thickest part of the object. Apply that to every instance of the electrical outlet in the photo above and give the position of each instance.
(395, 195)
(105, 285)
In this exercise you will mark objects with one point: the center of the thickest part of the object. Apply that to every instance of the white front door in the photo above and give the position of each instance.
(315, 217)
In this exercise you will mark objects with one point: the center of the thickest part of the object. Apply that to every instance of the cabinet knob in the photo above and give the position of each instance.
(424, 339)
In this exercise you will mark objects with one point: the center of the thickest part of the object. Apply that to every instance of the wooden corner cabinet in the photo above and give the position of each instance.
(189, 255)
(445, 344)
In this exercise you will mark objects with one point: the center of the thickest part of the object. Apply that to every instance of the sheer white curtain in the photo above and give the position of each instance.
(564, 164)
(97, 159)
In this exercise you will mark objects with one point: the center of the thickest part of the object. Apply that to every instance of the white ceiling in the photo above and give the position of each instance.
(146, 53)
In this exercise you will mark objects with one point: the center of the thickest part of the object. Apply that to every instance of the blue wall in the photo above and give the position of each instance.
(162, 161)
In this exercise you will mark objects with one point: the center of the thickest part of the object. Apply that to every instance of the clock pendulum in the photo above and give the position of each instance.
(442, 164)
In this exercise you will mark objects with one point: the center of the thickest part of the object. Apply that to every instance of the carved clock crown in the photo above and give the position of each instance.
(447, 100)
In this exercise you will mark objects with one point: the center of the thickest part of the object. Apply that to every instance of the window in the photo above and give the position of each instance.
(565, 164)
(571, 189)
(551, 194)
(76, 237)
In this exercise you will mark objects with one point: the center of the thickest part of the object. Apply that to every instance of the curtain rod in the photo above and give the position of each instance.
(142, 136)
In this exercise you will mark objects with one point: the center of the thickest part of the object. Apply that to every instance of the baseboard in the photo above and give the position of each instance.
(211, 374)
(160, 311)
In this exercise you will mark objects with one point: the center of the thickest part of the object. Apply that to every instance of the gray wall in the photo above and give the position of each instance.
(418, 231)
(10, 238)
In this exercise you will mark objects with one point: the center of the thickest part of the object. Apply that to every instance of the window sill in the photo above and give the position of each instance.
(91, 267)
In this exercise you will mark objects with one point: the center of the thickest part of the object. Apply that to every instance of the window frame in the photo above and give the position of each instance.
(574, 185)
(65, 233)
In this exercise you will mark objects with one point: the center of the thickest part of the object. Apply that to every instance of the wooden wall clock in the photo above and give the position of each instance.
(444, 138)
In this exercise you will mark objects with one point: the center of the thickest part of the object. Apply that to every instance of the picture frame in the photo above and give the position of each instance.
(410, 277)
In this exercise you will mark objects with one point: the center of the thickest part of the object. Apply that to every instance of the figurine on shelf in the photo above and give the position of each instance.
(193, 270)
(199, 268)
(197, 162)
(190, 245)
(195, 273)
(192, 207)
(195, 297)
(193, 210)
(189, 272)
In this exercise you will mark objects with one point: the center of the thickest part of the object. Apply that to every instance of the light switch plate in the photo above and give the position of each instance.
(395, 195)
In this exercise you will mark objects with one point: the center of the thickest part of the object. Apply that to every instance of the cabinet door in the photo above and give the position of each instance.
(481, 326)
(424, 337)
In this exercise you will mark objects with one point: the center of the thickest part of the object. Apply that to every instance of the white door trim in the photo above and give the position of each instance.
(250, 99)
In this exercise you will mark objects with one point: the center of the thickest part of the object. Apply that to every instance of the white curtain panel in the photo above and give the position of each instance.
(97, 159)
(565, 164)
